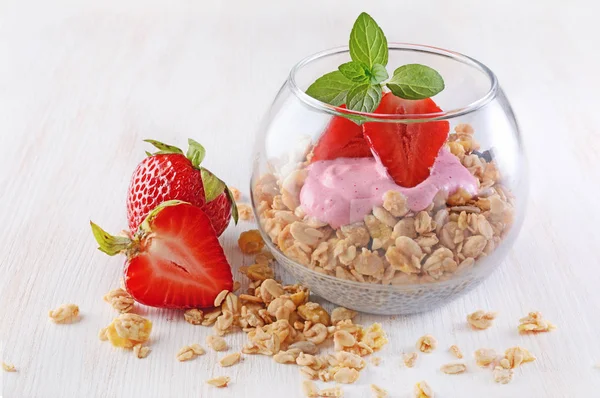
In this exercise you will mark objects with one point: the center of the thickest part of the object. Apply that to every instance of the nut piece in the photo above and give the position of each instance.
(194, 316)
(8, 367)
(250, 242)
(120, 300)
(230, 359)
(516, 356)
(410, 359)
(220, 381)
(481, 319)
(128, 330)
(534, 322)
(346, 375)
(453, 368)
(427, 343)
(422, 390)
(309, 388)
(485, 356)
(217, 343)
(141, 351)
(503, 376)
(456, 351)
(66, 313)
(378, 391)
(189, 352)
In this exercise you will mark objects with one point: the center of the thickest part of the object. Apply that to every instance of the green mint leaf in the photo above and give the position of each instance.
(195, 153)
(331, 88)
(364, 98)
(415, 82)
(378, 74)
(213, 186)
(367, 42)
(355, 71)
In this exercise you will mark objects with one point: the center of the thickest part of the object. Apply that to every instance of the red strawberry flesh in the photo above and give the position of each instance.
(180, 263)
(407, 150)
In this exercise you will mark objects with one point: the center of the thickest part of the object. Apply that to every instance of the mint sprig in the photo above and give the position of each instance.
(359, 83)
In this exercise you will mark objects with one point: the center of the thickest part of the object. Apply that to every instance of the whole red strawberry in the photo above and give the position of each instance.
(174, 260)
(170, 175)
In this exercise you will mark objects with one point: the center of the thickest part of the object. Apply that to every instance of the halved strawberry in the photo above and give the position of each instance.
(174, 260)
(406, 150)
(342, 139)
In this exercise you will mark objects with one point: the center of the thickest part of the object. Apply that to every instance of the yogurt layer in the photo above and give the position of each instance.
(343, 191)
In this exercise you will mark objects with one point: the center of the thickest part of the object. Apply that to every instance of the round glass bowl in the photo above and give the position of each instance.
(396, 254)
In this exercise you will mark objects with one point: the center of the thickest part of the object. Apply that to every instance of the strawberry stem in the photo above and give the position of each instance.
(110, 244)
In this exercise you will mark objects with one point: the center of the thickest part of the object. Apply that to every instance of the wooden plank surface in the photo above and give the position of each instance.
(82, 83)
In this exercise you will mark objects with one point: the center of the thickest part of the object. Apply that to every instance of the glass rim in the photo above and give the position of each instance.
(406, 118)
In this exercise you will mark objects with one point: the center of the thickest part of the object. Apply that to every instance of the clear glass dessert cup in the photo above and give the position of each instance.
(399, 257)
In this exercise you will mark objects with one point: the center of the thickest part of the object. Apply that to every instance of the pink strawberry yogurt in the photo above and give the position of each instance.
(342, 191)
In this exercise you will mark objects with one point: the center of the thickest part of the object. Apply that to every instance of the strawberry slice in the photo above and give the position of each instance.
(342, 139)
(407, 151)
(174, 260)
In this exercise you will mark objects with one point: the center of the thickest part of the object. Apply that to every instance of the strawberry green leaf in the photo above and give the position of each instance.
(331, 88)
(213, 186)
(367, 42)
(415, 82)
(164, 148)
(110, 244)
(148, 153)
(378, 74)
(195, 153)
(234, 209)
(364, 98)
(355, 71)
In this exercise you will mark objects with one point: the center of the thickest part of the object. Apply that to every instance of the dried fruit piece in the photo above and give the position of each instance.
(66, 313)
(250, 242)
(534, 322)
(230, 359)
(315, 313)
(422, 390)
(220, 381)
(481, 319)
(453, 368)
(189, 352)
(427, 343)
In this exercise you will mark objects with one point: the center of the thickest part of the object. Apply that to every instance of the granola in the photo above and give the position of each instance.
(410, 359)
(120, 300)
(427, 343)
(245, 212)
(230, 359)
(189, 352)
(534, 322)
(455, 350)
(66, 313)
(217, 343)
(502, 375)
(481, 319)
(141, 351)
(8, 367)
(485, 356)
(219, 382)
(127, 330)
(453, 368)
(378, 391)
(422, 390)
(194, 316)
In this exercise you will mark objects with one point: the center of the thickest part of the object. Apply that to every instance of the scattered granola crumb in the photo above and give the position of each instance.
(534, 322)
(219, 382)
(341, 314)
(331, 392)
(194, 316)
(422, 390)
(141, 351)
(236, 286)
(120, 300)
(427, 343)
(376, 360)
(378, 391)
(409, 359)
(217, 343)
(220, 298)
(102, 334)
(245, 212)
(237, 195)
(230, 359)
(309, 388)
(455, 350)
(516, 356)
(485, 356)
(481, 319)
(189, 352)
(453, 368)
(346, 375)
(127, 330)
(250, 242)
(502, 376)
(8, 367)
(66, 313)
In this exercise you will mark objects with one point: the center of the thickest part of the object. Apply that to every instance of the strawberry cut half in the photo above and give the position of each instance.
(342, 139)
(174, 260)
(407, 151)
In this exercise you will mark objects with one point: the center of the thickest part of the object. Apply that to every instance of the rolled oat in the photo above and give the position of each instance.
(427, 343)
(481, 319)
(219, 382)
(66, 313)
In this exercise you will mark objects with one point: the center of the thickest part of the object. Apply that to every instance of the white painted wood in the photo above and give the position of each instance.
(82, 83)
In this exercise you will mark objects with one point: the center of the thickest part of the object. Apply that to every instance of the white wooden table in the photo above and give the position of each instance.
(82, 83)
